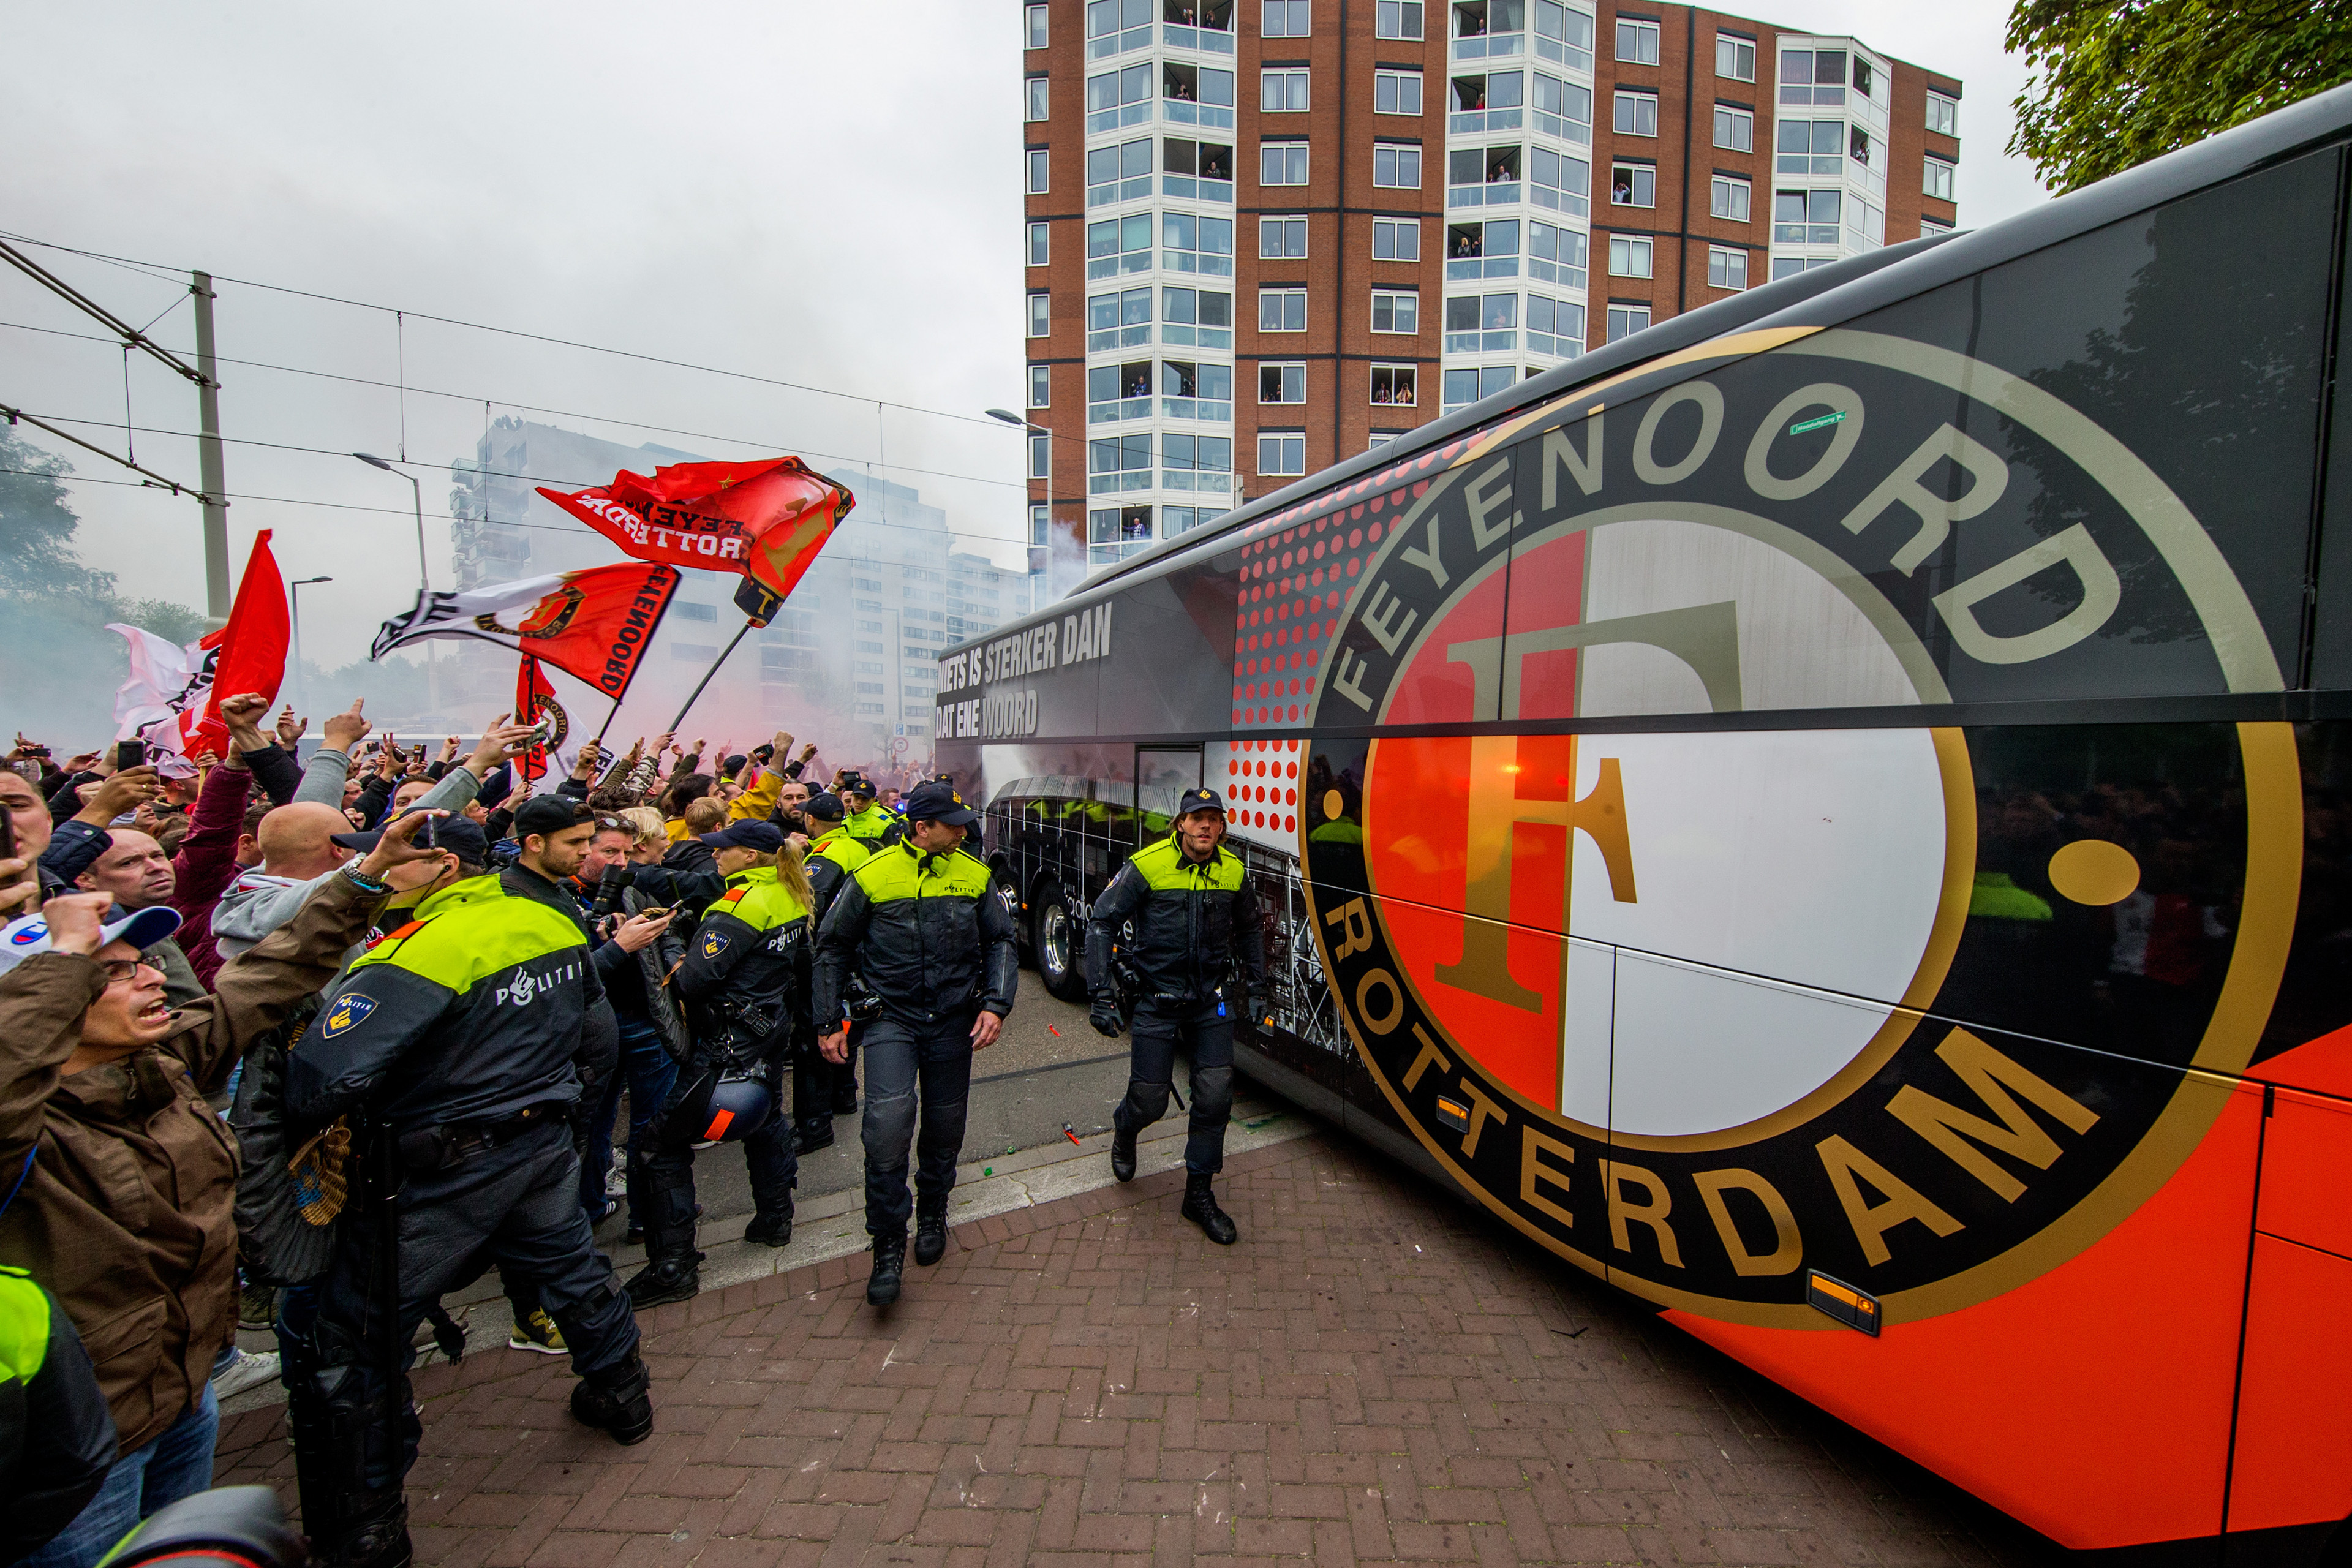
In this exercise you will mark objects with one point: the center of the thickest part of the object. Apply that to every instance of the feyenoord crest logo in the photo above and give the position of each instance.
(549, 708)
(1706, 1002)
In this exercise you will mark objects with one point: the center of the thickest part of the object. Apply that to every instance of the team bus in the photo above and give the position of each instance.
(1832, 815)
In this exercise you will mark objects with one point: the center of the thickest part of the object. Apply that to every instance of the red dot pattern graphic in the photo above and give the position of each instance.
(1298, 570)
(1261, 785)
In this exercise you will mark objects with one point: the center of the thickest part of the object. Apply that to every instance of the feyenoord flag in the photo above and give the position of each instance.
(765, 519)
(173, 696)
(535, 701)
(594, 625)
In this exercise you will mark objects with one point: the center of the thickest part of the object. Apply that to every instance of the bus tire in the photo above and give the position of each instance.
(1058, 942)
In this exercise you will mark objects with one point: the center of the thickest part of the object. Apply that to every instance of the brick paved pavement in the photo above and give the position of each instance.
(1376, 1373)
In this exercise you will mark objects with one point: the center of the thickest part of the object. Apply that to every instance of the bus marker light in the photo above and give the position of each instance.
(1854, 1309)
(1454, 1114)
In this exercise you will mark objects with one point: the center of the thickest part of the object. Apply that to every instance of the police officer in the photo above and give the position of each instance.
(919, 920)
(832, 856)
(456, 1036)
(868, 821)
(745, 986)
(1195, 920)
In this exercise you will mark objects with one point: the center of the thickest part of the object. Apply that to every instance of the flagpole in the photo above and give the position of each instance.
(707, 674)
(612, 715)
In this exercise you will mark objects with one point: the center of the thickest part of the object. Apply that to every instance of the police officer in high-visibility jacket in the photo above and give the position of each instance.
(820, 1090)
(922, 922)
(1195, 920)
(458, 1033)
(745, 986)
(868, 821)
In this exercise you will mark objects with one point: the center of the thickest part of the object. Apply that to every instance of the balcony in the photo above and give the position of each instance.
(1118, 409)
(1498, 193)
(1196, 408)
(1492, 47)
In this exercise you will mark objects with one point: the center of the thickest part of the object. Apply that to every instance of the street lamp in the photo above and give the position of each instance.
(423, 577)
(1011, 418)
(301, 691)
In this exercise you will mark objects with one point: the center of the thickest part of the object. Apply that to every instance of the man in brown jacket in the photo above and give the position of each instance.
(124, 1179)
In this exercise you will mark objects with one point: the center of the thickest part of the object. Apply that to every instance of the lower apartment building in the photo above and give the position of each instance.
(1265, 234)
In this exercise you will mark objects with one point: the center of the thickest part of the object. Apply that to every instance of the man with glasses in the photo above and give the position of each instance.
(123, 1178)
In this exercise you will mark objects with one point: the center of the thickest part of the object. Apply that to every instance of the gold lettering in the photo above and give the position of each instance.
(1428, 1054)
(1709, 399)
(1385, 1022)
(1558, 454)
(1532, 1146)
(1482, 1111)
(1948, 1128)
(1483, 506)
(1988, 478)
(1348, 683)
(1870, 1222)
(1378, 619)
(1428, 559)
(1624, 1215)
(1356, 922)
(1789, 1247)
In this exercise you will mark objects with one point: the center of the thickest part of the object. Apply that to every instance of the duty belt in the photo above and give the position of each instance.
(452, 1144)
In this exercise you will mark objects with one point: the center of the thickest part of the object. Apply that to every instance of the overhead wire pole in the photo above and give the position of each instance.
(208, 453)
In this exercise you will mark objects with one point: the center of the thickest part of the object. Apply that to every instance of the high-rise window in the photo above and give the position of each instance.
(1624, 321)
(1282, 454)
(1396, 311)
(1041, 171)
(1041, 454)
(1637, 41)
(1396, 19)
(1939, 181)
(1735, 58)
(1943, 115)
(1282, 310)
(1282, 383)
(1396, 166)
(1393, 383)
(1396, 239)
(1281, 238)
(1930, 226)
(1041, 387)
(1634, 185)
(1396, 92)
(1282, 162)
(1282, 92)
(1637, 115)
(1035, 22)
(1038, 99)
(1734, 129)
(1284, 20)
(1041, 244)
(1726, 267)
(1041, 315)
(1727, 199)
(1040, 516)
(1628, 256)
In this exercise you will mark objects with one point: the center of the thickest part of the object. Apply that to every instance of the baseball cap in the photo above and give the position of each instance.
(1201, 800)
(936, 801)
(825, 807)
(764, 836)
(28, 937)
(546, 814)
(458, 834)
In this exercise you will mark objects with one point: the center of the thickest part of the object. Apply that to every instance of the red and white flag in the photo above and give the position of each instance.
(595, 624)
(765, 519)
(173, 696)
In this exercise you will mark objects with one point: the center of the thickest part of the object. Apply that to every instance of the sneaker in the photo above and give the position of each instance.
(249, 1371)
(256, 1307)
(537, 1333)
(616, 1181)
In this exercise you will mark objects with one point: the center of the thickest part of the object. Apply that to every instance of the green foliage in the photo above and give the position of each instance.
(2119, 83)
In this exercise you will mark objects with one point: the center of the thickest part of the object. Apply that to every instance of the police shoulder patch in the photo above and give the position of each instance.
(714, 943)
(350, 1010)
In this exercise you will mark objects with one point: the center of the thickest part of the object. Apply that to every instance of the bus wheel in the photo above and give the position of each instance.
(1054, 937)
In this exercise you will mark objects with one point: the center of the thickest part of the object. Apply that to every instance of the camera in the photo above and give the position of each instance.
(609, 888)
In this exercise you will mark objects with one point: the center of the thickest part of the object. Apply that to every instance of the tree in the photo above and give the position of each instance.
(36, 527)
(2119, 83)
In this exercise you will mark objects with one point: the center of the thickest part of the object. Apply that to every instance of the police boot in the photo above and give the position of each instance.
(1122, 1153)
(889, 1266)
(810, 1136)
(774, 1228)
(930, 1236)
(618, 1400)
(672, 1270)
(1201, 1208)
(376, 1535)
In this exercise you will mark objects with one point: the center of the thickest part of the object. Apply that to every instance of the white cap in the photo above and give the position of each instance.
(143, 928)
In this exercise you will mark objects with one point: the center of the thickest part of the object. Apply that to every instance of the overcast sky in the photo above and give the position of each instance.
(824, 194)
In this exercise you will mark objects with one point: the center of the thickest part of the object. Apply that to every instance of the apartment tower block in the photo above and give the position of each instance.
(1265, 234)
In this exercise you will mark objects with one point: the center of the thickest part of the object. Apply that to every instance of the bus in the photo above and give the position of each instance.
(1833, 816)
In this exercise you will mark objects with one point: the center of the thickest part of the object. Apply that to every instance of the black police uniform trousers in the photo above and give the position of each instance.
(667, 1161)
(911, 1067)
(1205, 1031)
(515, 1205)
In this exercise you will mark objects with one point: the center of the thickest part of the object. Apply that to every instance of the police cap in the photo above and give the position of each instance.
(764, 836)
(935, 801)
(824, 807)
(1201, 800)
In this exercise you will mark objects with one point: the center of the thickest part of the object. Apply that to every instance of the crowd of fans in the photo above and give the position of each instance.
(155, 932)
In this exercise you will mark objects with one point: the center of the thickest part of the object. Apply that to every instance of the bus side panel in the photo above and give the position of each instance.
(2294, 1459)
(2092, 1401)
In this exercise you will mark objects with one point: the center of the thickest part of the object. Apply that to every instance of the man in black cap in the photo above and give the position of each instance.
(744, 986)
(868, 820)
(820, 1090)
(1195, 920)
(920, 922)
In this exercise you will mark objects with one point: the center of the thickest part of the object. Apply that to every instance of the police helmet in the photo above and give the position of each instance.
(725, 1108)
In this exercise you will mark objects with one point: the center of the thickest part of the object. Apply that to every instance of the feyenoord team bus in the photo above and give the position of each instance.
(1832, 815)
